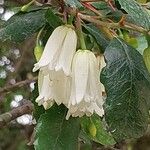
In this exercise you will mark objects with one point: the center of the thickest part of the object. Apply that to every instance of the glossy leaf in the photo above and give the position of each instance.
(127, 84)
(137, 13)
(22, 25)
(101, 40)
(53, 20)
(146, 56)
(94, 128)
(54, 132)
(103, 7)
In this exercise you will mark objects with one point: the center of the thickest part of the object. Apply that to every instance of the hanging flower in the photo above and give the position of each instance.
(59, 50)
(86, 94)
(53, 87)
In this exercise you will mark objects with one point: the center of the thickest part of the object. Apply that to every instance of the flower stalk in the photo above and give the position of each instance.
(113, 25)
(80, 33)
(70, 20)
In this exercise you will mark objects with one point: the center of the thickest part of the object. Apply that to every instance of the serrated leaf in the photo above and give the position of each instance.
(95, 130)
(52, 19)
(101, 40)
(54, 132)
(137, 13)
(103, 7)
(127, 84)
(22, 25)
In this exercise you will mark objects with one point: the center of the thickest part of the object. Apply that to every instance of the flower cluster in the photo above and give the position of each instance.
(69, 77)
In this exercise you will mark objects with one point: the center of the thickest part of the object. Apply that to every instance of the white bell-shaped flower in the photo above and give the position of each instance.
(59, 50)
(53, 87)
(86, 94)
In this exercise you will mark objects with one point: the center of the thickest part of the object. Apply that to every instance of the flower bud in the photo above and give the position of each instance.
(146, 56)
(38, 50)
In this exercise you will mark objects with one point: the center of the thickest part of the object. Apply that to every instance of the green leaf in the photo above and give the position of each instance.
(54, 132)
(103, 7)
(52, 19)
(85, 143)
(127, 84)
(137, 13)
(101, 40)
(94, 128)
(74, 3)
(22, 25)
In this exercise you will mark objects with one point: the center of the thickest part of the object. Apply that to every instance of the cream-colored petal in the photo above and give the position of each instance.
(72, 99)
(46, 91)
(40, 80)
(81, 70)
(61, 86)
(94, 78)
(48, 104)
(84, 108)
(39, 100)
(52, 47)
(46, 88)
(97, 109)
(95, 82)
(67, 52)
(91, 100)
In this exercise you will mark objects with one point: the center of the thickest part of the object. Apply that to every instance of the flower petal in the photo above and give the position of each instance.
(86, 95)
(79, 77)
(45, 91)
(67, 52)
(52, 47)
(94, 79)
(61, 87)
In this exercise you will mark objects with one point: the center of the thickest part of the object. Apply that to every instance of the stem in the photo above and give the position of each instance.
(15, 113)
(38, 36)
(90, 7)
(17, 85)
(80, 33)
(127, 25)
(70, 20)
(106, 32)
(82, 41)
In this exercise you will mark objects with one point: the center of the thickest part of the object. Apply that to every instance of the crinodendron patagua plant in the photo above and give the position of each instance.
(93, 71)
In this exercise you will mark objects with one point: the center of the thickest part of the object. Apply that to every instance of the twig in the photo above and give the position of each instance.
(19, 84)
(15, 113)
(128, 26)
(90, 7)
(27, 45)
